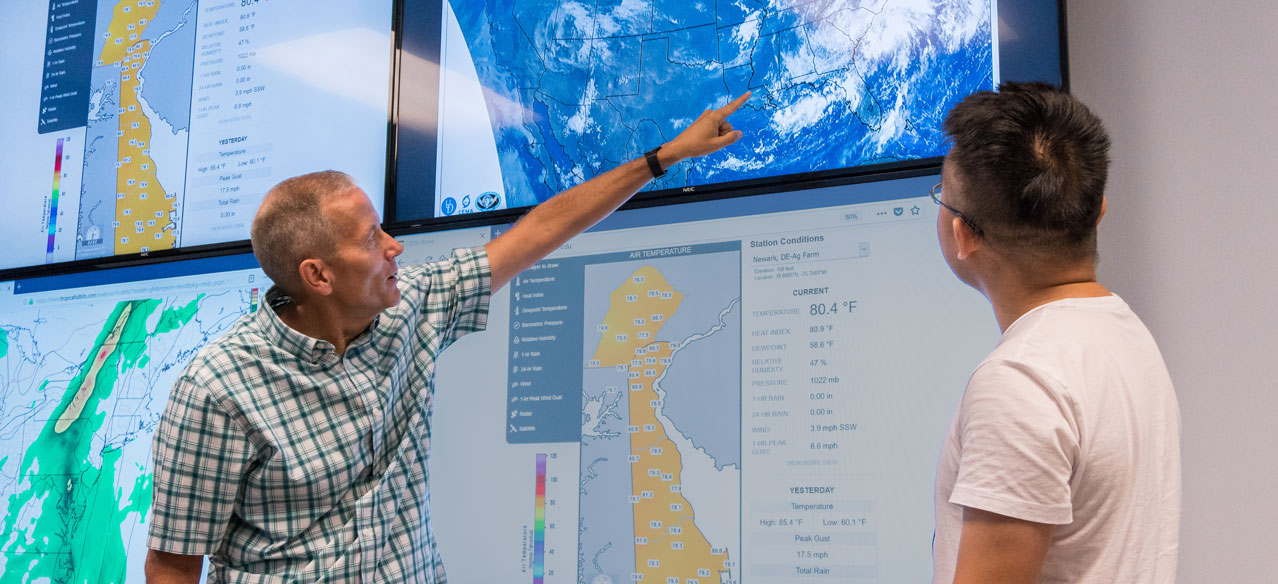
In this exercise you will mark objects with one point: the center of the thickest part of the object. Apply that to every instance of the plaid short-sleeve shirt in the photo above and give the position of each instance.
(286, 462)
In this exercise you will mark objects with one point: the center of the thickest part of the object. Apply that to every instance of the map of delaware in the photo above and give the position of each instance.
(143, 207)
(664, 540)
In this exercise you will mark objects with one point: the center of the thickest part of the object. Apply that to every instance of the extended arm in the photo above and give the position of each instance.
(167, 568)
(567, 214)
(996, 549)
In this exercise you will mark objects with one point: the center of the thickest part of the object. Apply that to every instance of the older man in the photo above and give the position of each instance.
(1063, 461)
(295, 447)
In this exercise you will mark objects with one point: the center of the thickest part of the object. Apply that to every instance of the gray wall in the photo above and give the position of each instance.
(1189, 91)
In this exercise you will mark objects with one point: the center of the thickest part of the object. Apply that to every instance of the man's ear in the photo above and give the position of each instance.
(315, 277)
(966, 242)
(1104, 204)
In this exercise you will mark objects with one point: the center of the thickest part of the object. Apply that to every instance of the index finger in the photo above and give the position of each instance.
(732, 106)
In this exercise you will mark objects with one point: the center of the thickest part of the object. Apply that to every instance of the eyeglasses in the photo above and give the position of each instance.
(936, 198)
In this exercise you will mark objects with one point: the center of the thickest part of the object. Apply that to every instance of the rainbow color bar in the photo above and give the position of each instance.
(253, 300)
(53, 207)
(539, 523)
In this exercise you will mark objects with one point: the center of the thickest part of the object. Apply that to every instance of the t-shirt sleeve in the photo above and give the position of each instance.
(1019, 444)
(453, 295)
(199, 457)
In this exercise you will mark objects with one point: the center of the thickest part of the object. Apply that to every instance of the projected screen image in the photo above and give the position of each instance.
(536, 97)
(141, 125)
(748, 390)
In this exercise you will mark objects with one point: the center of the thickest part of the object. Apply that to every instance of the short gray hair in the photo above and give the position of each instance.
(290, 226)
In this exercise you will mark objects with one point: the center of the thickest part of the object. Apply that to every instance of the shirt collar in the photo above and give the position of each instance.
(283, 336)
(298, 344)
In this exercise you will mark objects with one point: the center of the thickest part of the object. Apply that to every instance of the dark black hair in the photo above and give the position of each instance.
(1031, 161)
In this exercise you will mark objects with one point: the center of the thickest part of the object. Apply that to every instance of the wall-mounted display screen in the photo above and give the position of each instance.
(86, 364)
(747, 390)
(744, 390)
(535, 97)
(135, 126)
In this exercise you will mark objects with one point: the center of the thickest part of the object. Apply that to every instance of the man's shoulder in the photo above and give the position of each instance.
(433, 288)
(1070, 324)
(1071, 344)
(1073, 320)
(462, 263)
(244, 342)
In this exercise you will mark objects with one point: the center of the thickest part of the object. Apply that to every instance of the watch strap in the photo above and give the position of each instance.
(653, 164)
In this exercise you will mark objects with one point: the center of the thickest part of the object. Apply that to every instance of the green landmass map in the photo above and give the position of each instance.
(80, 396)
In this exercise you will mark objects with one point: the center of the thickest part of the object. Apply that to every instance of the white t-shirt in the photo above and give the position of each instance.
(1071, 421)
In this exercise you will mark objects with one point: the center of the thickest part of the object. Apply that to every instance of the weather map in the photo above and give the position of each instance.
(135, 159)
(657, 475)
(575, 88)
(147, 125)
(86, 375)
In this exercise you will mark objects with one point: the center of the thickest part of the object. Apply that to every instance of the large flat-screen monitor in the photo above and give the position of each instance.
(739, 390)
(86, 363)
(136, 126)
(535, 97)
(751, 390)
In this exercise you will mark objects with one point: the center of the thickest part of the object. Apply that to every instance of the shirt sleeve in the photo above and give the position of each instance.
(199, 457)
(453, 295)
(1019, 441)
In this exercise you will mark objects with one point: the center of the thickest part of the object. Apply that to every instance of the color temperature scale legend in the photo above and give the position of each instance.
(53, 204)
(539, 523)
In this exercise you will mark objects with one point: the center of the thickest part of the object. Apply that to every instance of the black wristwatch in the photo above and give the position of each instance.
(653, 164)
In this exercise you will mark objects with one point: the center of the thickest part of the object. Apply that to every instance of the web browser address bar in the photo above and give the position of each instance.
(124, 294)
